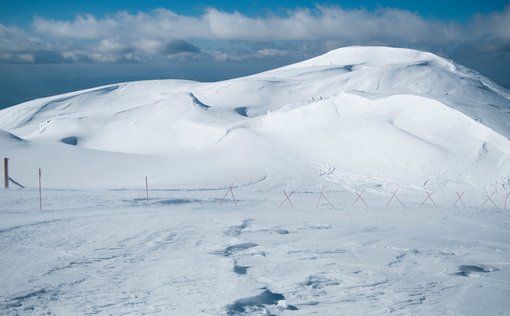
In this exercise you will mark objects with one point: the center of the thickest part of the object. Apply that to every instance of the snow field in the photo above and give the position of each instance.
(107, 252)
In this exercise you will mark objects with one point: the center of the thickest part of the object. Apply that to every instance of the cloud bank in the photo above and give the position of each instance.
(160, 34)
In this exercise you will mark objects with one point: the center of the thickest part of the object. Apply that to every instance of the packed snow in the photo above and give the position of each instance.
(410, 150)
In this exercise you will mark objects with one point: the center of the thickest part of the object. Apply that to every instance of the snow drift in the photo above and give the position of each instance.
(354, 116)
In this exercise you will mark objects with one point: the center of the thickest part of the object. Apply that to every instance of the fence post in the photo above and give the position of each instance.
(506, 197)
(147, 190)
(231, 193)
(40, 191)
(321, 194)
(287, 198)
(6, 172)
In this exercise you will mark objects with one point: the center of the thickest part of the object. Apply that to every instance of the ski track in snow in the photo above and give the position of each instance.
(107, 252)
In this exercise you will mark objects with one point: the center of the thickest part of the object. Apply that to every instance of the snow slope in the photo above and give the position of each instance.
(354, 116)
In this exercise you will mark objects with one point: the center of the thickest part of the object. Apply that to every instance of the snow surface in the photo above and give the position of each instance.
(106, 252)
(357, 118)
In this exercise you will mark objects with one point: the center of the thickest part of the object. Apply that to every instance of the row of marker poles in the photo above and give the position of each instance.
(287, 196)
(360, 199)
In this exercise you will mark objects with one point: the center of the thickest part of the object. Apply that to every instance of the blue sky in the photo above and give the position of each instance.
(49, 47)
(21, 12)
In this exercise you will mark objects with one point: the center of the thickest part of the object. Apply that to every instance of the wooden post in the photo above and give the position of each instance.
(147, 190)
(40, 191)
(506, 197)
(6, 173)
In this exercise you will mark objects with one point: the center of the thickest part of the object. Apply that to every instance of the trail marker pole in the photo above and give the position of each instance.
(323, 196)
(40, 191)
(287, 198)
(459, 199)
(6, 172)
(429, 197)
(360, 198)
(231, 193)
(506, 197)
(7, 178)
(489, 198)
(225, 196)
(146, 190)
(394, 195)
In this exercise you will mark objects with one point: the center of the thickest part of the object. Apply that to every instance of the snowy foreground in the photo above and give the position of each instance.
(184, 253)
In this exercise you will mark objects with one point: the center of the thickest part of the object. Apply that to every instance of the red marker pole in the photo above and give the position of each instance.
(40, 191)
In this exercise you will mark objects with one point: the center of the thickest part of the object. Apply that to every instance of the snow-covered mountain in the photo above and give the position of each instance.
(354, 116)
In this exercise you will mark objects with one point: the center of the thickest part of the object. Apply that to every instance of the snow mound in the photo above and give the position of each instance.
(354, 116)
(7, 138)
(373, 55)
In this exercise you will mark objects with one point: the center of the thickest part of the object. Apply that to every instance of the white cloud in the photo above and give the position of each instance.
(162, 33)
(323, 23)
(13, 39)
(495, 25)
(160, 24)
(29, 58)
(269, 52)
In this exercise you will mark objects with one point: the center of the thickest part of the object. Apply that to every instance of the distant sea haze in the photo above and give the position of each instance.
(22, 82)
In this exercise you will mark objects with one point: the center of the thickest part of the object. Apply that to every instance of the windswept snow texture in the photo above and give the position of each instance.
(108, 253)
(371, 114)
(371, 120)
